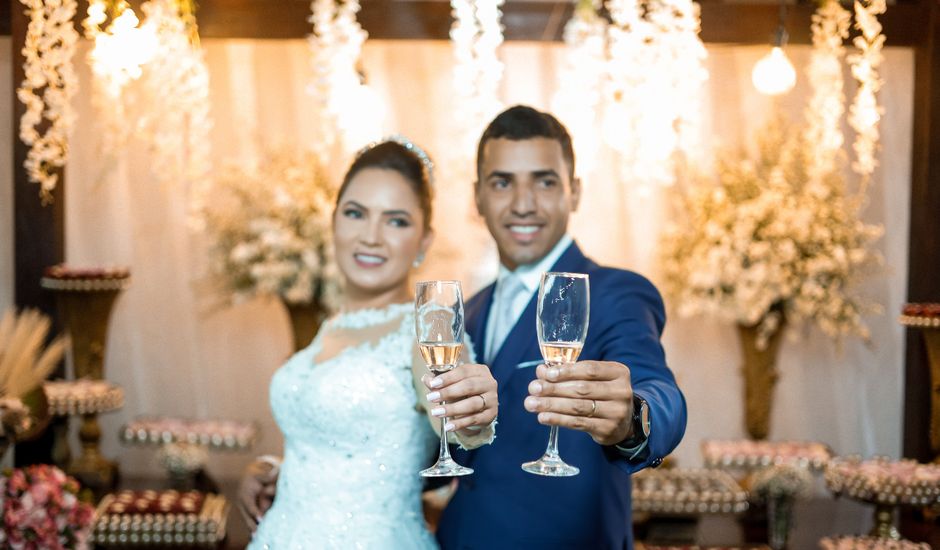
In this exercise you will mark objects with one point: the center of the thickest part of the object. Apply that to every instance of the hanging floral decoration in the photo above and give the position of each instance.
(349, 113)
(175, 90)
(476, 34)
(121, 50)
(830, 28)
(654, 76)
(47, 89)
(581, 79)
(151, 84)
(865, 113)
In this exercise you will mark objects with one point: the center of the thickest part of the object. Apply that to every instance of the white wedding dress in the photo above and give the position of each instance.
(355, 439)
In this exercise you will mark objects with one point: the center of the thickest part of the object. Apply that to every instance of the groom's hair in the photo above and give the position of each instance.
(522, 122)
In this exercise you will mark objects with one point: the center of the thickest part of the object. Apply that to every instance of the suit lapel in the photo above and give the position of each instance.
(478, 309)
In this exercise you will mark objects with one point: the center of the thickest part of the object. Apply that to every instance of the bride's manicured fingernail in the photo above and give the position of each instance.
(433, 396)
(449, 427)
(436, 383)
(437, 411)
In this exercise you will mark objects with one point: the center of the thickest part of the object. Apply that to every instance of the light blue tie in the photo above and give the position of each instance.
(509, 290)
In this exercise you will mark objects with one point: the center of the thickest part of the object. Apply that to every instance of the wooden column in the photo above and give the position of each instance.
(924, 252)
(39, 231)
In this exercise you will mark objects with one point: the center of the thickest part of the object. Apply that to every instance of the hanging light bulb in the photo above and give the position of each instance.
(122, 48)
(774, 74)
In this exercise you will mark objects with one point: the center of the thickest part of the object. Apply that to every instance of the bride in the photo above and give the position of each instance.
(352, 406)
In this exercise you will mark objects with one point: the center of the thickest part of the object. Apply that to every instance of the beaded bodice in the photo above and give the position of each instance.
(354, 438)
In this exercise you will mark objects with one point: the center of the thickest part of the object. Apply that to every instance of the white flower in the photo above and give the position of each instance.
(47, 89)
(771, 238)
(269, 228)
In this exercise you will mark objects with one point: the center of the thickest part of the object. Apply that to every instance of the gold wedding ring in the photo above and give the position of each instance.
(593, 408)
(484, 401)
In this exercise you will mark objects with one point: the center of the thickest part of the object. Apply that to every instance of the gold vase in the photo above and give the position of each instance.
(932, 338)
(85, 308)
(305, 321)
(760, 376)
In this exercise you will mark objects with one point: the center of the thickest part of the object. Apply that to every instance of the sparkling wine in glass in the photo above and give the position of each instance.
(439, 330)
(561, 323)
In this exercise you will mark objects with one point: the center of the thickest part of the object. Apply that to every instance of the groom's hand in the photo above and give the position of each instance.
(592, 396)
(470, 394)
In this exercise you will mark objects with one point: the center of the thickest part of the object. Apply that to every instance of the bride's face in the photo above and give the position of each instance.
(378, 231)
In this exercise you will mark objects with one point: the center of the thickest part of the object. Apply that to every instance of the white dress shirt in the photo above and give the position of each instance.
(506, 310)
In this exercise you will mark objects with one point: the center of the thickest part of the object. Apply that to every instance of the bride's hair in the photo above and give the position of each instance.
(392, 155)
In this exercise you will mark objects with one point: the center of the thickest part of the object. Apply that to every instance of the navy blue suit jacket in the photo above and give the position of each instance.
(500, 506)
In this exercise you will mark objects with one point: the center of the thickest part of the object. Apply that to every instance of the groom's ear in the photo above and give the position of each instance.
(476, 196)
(575, 193)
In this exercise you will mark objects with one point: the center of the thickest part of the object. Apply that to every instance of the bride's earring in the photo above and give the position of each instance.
(418, 260)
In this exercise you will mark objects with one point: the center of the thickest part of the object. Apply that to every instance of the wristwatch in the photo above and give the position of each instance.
(636, 444)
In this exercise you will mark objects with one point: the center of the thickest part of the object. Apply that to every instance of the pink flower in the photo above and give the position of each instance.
(40, 493)
(40, 510)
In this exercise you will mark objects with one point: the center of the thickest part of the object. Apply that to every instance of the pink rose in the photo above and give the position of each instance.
(40, 493)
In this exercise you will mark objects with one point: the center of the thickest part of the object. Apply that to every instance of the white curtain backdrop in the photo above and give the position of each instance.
(173, 358)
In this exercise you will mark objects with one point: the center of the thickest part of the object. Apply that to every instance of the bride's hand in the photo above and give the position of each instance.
(470, 394)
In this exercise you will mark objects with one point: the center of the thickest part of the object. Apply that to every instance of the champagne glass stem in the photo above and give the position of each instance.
(445, 449)
(551, 450)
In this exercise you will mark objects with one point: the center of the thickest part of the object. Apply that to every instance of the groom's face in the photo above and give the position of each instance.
(525, 193)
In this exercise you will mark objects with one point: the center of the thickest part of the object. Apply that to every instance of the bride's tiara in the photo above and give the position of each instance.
(407, 144)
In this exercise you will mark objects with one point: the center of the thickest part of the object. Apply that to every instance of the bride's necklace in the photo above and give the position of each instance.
(368, 317)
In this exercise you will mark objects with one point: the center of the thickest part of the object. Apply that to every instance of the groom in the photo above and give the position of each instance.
(620, 403)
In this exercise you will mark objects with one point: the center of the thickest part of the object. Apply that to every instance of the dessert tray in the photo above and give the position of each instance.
(216, 434)
(750, 454)
(72, 397)
(160, 518)
(687, 492)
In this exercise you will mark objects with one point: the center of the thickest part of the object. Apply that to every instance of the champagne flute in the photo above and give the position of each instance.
(439, 329)
(562, 322)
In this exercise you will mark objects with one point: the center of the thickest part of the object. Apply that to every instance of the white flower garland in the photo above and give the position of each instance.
(48, 52)
(865, 113)
(348, 113)
(581, 79)
(830, 27)
(476, 35)
(175, 90)
(655, 75)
